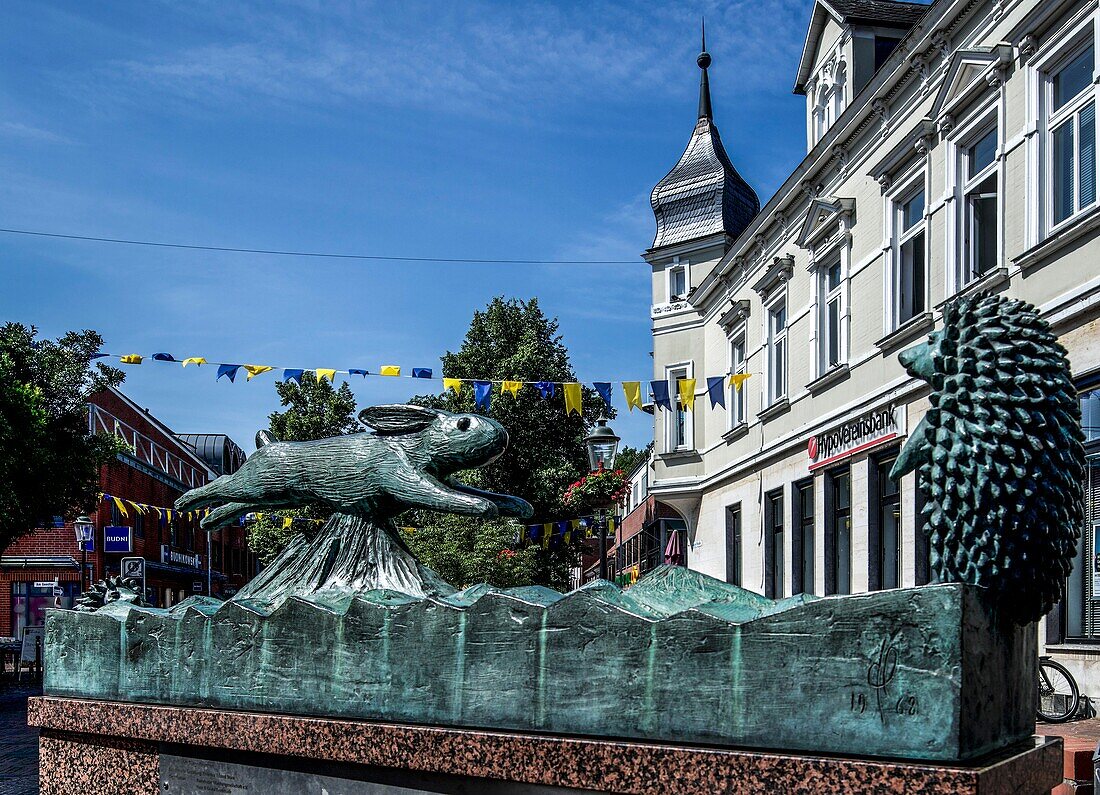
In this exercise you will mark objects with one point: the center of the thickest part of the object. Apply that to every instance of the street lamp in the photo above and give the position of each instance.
(602, 446)
(83, 528)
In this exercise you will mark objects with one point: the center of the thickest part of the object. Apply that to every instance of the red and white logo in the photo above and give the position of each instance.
(811, 447)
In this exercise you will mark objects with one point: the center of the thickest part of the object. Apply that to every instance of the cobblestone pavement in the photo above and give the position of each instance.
(18, 742)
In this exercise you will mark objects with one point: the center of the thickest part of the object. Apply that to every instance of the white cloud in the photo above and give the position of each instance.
(25, 131)
(470, 58)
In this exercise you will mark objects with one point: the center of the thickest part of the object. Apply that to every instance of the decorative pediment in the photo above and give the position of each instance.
(970, 73)
(737, 314)
(779, 272)
(822, 218)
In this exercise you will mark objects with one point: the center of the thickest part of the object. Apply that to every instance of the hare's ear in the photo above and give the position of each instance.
(398, 418)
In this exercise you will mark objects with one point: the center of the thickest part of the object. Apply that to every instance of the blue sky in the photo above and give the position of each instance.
(489, 130)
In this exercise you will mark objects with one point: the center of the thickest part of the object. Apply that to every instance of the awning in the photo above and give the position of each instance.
(189, 572)
(38, 562)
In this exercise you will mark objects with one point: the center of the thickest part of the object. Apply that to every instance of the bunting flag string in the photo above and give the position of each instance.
(552, 535)
(666, 395)
(163, 514)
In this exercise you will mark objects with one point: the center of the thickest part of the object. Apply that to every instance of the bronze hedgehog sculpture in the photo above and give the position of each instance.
(1000, 453)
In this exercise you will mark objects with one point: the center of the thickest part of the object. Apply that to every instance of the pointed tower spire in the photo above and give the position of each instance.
(703, 195)
(704, 83)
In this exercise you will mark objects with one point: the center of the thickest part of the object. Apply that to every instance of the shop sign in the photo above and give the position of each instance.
(118, 540)
(865, 431)
(45, 583)
(169, 555)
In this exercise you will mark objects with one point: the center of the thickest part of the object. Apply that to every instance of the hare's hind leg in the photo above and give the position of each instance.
(225, 514)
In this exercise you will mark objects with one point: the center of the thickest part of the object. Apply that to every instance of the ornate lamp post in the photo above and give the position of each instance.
(83, 527)
(602, 446)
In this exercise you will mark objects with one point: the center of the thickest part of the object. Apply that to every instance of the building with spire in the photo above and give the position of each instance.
(950, 149)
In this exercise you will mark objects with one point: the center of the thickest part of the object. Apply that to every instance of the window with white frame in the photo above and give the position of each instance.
(829, 335)
(1071, 134)
(677, 283)
(777, 350)
(736, 412)
(678, 421)
(910, 256)
(980, 207)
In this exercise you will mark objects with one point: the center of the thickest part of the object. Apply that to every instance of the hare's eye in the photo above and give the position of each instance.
(464, 424)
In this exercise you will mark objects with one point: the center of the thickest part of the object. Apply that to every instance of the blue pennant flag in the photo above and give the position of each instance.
(483, 393)
(229, 370)
(363, 373)
(534, 531)
(716, 388)
(164, 357)
(293, 375)
(604, 388)
(546, 389)
(99, 355)
(660, 394)
(422, 372)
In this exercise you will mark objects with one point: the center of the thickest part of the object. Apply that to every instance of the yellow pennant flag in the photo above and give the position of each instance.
(137, 507)
(198, 361)
(323, 374)
(572, 398)
(390, 369)
(510, 386)
(130, 358)
(287, 522)
(687, 393)
(547, 529)
(453, 384)
(254, 370)
(738, 380)
(121, 507)
(160, 511)
(168, 514)
(633, 392)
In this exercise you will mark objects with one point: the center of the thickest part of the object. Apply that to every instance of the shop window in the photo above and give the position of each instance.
(736, 412)
(29, 601)
(980, 207)
(773, 544)
(884, 536)
(1071, 134)
(733, 544)
(777, 351)
(838, 532)
(139, 525)
(802, 540)
(910, 258)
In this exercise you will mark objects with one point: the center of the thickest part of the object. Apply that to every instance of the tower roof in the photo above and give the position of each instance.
(703, 194)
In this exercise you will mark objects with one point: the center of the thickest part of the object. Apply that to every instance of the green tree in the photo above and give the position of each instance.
(49, 464)
(315, 409)
(513, 340)
(629, 457)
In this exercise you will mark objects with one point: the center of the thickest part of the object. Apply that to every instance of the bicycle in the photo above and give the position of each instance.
(1059, 697)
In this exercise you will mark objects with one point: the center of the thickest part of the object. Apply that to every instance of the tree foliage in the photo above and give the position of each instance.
(49, 464)
(513, 340)
(315, 409)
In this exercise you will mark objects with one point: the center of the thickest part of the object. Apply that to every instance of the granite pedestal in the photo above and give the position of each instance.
(91, 747)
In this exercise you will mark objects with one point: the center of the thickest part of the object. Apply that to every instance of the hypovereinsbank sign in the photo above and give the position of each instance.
(860, 433)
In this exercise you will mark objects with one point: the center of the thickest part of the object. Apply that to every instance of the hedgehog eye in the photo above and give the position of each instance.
(464, 424)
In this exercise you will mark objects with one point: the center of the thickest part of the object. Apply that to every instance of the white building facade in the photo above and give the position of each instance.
(951, 149)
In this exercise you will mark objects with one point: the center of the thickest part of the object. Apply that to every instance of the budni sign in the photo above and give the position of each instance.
(119, 540)
(867, 430)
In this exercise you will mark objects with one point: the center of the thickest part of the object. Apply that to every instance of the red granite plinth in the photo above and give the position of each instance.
(84, 744)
